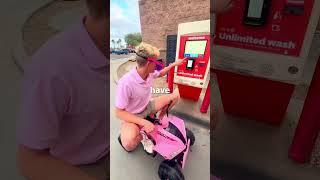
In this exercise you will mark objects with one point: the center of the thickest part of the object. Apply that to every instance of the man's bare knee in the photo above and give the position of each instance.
(130, 144)
(130, 136)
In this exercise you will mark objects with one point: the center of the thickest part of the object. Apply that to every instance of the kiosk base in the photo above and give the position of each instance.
(255, 98)
(189, 92)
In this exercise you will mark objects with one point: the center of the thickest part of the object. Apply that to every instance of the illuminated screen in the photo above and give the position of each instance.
(190, 63)
(255, 8)
(194, 48)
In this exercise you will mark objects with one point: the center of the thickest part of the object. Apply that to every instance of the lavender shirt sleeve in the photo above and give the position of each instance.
(44, 102)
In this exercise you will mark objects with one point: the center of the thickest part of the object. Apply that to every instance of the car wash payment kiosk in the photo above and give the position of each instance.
(193, 43)
(260, 51)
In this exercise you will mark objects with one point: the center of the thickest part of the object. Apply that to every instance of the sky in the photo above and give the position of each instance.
(124, 18)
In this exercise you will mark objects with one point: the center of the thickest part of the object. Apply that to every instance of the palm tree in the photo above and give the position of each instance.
(119, 42)
(114, 43)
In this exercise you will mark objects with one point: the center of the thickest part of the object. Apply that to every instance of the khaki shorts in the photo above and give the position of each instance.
(150, 109)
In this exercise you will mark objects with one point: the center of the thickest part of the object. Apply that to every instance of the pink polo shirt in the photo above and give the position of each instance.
(134, 93)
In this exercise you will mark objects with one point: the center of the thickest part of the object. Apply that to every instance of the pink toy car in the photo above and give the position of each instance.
(172, 141)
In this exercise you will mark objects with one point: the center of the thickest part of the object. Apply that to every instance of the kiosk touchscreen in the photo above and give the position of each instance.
(194, 50)
(256, 12)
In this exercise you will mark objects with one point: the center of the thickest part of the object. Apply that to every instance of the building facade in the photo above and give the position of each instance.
(160, 18)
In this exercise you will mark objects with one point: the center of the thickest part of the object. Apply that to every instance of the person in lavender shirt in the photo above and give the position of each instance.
(133, 99)
(64, 125)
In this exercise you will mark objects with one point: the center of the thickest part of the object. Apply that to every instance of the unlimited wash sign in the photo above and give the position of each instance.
(264, 42)
(282, 34)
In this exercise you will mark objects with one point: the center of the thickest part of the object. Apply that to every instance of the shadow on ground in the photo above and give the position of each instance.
(229, 171)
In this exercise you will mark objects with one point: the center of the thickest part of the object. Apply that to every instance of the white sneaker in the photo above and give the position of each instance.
(147, 143)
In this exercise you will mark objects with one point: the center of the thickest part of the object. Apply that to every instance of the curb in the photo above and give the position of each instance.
(192, 119)
(18, 53)
(115, 73)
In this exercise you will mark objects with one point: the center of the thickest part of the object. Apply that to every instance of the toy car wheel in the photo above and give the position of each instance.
(190, 136)
(170, 170)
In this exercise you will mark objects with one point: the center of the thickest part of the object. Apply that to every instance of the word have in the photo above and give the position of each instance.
(160, 90)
